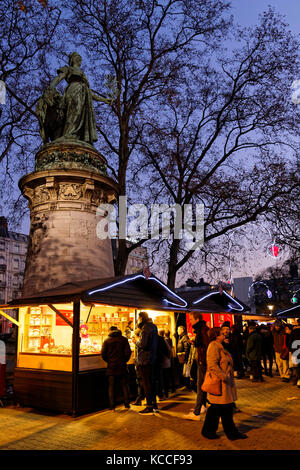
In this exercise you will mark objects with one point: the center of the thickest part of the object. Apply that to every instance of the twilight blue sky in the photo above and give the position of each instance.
(246, 11)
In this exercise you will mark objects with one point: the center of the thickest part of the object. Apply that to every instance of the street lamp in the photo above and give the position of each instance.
(270, 307)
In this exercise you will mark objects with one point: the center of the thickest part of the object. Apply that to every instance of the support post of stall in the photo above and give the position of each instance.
(238, 322)
(75, 356)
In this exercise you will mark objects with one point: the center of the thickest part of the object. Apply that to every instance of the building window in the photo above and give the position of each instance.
(16, 264)
(2, 245)
(16, 294)
(17, 248)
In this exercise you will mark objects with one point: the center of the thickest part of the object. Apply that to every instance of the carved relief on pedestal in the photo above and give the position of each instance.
(29, 194)
(49, 191)
(41, 194)
(111, 197)
(52, 187)
(59, 157)
(70, 191)
(99, 197)
(38, 232)
(88, 189)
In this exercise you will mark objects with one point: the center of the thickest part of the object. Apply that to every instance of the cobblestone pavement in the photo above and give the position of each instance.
(268, 416)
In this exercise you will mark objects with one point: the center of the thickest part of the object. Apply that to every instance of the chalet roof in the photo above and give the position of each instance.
(135, 290)
(293, 312)
(212, 301)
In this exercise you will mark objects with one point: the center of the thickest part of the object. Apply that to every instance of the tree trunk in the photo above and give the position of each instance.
(123, 252)
(172, 263)
(121, 259)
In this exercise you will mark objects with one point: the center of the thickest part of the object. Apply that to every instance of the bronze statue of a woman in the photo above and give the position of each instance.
(71, 116)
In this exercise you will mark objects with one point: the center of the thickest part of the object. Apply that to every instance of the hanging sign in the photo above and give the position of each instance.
(66, 313)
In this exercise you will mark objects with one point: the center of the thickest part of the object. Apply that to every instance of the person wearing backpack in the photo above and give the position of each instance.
(116, 352)
(147, 343)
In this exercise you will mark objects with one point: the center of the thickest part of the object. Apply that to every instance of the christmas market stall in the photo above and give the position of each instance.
(216, 306)
(289, 314)
(61, 332)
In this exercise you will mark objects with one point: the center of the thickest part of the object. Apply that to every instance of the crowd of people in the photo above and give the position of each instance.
(225, 353)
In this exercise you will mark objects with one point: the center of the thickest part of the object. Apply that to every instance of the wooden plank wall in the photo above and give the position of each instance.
(50, 390)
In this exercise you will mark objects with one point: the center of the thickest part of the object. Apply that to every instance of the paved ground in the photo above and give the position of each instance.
(270, 419)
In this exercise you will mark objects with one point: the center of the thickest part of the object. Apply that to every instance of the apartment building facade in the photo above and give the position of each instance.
(13, 249)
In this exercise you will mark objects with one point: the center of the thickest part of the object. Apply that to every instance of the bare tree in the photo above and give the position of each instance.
(147, 45)
(27, 32)
(187, 109)
(286, 225)
(215, 140)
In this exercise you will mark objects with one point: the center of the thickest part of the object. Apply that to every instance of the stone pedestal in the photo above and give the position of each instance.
(64, 191)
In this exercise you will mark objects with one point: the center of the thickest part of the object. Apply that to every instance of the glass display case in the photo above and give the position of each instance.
(45, 337)
(163, 320)
(95, 322)
(45, 332)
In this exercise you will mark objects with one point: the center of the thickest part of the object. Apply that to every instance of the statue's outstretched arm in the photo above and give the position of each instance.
(61, 74)
(57, 80)
(102, 99)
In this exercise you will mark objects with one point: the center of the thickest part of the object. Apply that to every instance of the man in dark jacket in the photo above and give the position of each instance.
(236, 341)
(146, 345)
(200, 344)
(253, 353)
(116, 352)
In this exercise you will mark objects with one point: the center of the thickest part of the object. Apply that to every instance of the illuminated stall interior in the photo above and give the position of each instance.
(45, 339)
(61, 333)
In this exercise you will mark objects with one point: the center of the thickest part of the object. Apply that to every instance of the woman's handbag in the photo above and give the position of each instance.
(186, 370)
(212, 384)
(181, 358)
(285, 352)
